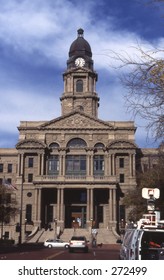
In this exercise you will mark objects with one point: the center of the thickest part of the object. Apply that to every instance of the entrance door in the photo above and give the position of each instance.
(75, 217)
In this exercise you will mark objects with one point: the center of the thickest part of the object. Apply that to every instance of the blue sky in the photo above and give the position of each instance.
(35, 37)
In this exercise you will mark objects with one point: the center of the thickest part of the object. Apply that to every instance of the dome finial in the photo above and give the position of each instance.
(80, 32)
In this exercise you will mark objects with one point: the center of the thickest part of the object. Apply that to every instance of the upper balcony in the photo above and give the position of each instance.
(74, 178)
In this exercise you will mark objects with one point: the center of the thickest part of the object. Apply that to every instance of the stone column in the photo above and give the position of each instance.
(114, 205)
(42, 164)
(39, 164)
(38, 207)
(61, 204)
(63, 165)
(110, 165)
(110, 206)
(113, 165)
(58, 204)
(106, 164)
(130, 165)
(22, 165)
(19, 164)
(133, 165)
(91, 203)
(88, 210)
(91, 165)
(60, 164)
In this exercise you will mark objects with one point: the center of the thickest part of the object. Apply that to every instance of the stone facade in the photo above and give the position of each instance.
(72, 170)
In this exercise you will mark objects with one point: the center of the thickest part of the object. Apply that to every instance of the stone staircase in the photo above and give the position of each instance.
(104, 236)
(69, 232)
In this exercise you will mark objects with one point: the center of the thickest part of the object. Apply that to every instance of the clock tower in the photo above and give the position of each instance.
(80, 79)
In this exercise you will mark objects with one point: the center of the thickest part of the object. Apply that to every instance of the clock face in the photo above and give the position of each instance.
(80, 62)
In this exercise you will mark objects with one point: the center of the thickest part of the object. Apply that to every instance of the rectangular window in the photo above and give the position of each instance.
(121, 162)
(9, 180)
(1, 167)
(28, 213)
(53, 165)
(122, 179)
(9, 169)
(76, 165)
(30, 162)
(30, 178)
(98, 165)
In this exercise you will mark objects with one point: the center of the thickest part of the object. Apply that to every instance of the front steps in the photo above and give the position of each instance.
(69, 232)
(104, 236)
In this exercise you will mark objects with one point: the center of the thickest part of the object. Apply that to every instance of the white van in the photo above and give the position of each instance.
(142, 244)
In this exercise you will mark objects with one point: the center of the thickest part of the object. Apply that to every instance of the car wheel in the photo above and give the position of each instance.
(66, 246)
(49, 246)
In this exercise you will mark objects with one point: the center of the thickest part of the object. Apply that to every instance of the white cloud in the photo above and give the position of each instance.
(48, 28)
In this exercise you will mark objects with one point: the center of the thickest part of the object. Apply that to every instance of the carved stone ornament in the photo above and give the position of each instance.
(75, 120)
(121, 145)
(30, 144)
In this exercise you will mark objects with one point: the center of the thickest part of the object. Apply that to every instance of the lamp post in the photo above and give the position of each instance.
(55, 222)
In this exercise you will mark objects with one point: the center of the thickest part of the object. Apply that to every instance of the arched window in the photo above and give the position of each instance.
(99, 145)
(79, 86)
(76, 143)
(54, 145)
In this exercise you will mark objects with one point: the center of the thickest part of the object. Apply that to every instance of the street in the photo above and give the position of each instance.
(34, 252)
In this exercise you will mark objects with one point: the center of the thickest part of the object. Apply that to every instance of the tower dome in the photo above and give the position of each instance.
(80, 47)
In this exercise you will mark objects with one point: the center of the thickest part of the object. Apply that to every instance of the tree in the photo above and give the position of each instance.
(153, 178)
(144, 80)
(8, 205)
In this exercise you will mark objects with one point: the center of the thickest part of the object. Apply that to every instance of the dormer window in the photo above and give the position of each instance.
(79, 86)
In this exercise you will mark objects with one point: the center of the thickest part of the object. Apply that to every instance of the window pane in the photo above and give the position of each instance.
(30, 178)
(9, 168)
(76, 143)
(121, 178)
(53, 165)
(98, 165)
(28, 212)
(1, 167)
(76, 164)
(79, 86)
(30, 162)
(121, 160)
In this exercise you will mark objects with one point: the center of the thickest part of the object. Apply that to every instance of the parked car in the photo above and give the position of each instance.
(142, 244)
(78, 243)
(56, 243)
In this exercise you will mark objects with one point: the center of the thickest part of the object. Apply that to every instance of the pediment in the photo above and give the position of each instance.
(122, 144)
(30, 144)
(76, 120)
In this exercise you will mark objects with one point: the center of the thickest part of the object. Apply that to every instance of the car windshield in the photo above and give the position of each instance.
(78, 238)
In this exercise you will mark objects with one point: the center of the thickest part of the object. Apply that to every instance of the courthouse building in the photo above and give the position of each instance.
(75, 169)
